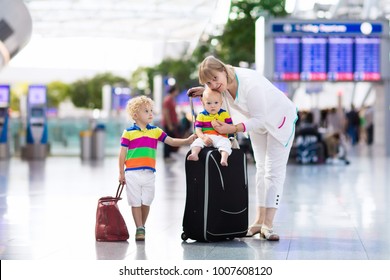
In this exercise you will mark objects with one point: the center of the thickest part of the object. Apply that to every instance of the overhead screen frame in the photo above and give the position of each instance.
(296, 31)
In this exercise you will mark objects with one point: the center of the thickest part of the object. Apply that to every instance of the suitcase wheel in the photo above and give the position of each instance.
(184, 236)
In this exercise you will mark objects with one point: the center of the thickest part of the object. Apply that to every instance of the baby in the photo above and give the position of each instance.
(207, 135)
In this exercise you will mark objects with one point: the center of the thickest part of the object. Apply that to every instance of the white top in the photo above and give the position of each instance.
(261, 106)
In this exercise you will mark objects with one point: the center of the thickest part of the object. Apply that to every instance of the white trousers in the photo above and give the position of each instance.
(219, 142)
(271, 161)
(140, 187)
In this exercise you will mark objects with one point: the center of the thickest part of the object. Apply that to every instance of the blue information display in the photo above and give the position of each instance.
(287, 59)
(314, 59)
(327, 51)
(340, 59)
(367, 57)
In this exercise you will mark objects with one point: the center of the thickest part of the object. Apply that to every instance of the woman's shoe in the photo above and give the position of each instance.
(269, 234)
(253, 230)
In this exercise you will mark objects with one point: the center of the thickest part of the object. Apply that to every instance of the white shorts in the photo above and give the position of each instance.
(140, 185)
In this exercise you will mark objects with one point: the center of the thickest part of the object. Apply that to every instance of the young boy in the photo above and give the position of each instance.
(137, 159)
(207, 135)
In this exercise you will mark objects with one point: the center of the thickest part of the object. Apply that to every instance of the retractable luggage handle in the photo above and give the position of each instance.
(233, 140)
(119, 191)
(192, 113)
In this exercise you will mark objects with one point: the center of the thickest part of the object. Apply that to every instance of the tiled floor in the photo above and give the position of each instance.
(329, 212)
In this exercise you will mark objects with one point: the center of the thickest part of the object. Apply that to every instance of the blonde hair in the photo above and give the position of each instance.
(211, 64)
(135, 104)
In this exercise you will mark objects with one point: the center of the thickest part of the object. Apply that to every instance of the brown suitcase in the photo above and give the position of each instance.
(110, 225)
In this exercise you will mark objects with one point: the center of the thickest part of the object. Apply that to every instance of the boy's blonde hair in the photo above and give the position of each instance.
(134, 104)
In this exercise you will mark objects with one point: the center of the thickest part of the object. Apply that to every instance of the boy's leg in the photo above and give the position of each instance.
(140, 214)
(147, 195)
(145, 212)
(148, 190)
(133, 191)
(137, 216)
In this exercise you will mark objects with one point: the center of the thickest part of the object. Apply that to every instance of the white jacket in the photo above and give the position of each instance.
(261, 106)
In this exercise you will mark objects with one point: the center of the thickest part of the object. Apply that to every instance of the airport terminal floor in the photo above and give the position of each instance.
(329, 212)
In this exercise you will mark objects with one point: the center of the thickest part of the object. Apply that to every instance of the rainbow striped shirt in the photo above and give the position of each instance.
(142, 146)
(204, 118)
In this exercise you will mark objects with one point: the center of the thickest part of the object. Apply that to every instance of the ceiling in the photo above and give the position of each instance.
(169, 21)
(173, 26)
(73, 39)
(77, 38)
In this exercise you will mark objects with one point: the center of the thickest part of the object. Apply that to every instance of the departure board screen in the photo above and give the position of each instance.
(317, 51)
(340, 60)
(314, 59)
(367, 59)
(287, 59)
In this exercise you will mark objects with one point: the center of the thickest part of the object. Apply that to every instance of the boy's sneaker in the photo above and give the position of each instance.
(140, 234)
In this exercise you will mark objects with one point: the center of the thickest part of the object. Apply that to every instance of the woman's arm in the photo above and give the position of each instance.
(225, 128)
(195, 91)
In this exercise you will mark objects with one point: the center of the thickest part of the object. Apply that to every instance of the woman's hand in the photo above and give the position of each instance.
(221, 127)
(195, 91)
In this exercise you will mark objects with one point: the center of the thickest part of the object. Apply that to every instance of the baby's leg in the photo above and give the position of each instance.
(194, 156)
(225, 148)
(224, 158)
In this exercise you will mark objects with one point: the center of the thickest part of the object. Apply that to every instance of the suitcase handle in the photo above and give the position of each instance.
(119, 191)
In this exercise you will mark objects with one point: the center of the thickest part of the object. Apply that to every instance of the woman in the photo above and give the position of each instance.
(262, 110)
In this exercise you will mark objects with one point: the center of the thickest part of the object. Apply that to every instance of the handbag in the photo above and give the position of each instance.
(110, 225)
